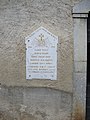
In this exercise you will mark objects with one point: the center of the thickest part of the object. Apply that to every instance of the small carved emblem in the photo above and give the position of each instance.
(41, 40)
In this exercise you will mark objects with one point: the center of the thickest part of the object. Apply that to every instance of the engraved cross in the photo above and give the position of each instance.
(42, 37)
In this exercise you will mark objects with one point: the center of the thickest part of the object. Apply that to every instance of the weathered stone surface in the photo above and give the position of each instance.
(20, 18)
(80, 59)
(80, 40)
(80, 67)
(18, 103)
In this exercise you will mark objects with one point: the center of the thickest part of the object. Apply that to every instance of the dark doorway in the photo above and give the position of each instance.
(88, 70)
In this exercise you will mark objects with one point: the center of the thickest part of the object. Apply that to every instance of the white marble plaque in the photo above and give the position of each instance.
(41, 55)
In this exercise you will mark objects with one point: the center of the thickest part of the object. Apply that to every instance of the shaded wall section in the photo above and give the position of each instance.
(24, 103)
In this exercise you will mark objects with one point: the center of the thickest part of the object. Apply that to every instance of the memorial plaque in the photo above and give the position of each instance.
(41, 55)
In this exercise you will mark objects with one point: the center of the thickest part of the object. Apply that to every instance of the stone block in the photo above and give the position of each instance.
(80, 67)
(80, 40)
(80, 86)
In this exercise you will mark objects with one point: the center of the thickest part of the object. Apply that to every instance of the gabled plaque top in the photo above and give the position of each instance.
(43, 31)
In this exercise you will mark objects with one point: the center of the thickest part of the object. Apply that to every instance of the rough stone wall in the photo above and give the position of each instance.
(18, 19)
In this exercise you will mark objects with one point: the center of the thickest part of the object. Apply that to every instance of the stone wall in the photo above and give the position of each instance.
(18, 18)
(22, 99)
(80, 16)
(24, 103)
